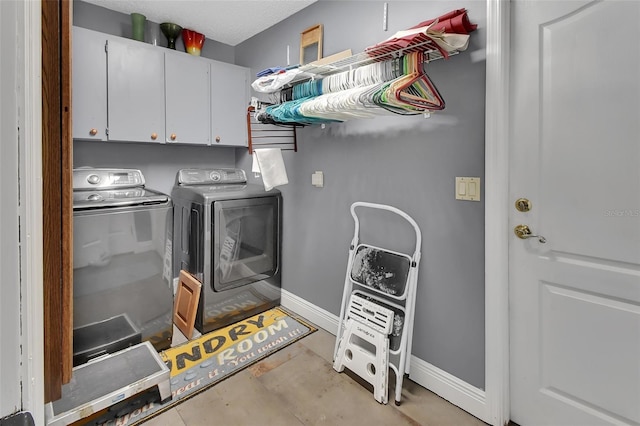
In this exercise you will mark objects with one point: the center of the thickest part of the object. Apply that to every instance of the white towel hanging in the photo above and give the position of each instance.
(271, 167)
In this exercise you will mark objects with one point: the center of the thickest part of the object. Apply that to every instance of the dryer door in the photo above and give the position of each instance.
(246, 241)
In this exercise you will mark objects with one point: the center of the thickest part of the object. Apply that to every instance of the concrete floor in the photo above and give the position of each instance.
(298, 386)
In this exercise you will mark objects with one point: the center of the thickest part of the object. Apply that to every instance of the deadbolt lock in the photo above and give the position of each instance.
(523, 205)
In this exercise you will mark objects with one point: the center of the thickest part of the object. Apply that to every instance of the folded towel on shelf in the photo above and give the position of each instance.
(271, 166)
(269, 71)
(275, 70)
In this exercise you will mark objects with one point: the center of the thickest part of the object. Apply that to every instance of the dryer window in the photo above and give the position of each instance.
(247, 242)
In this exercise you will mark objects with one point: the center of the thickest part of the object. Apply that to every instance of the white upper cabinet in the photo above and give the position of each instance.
(89, 85)
(229, 102)
(188, 109)
(135, 91)
(125, 90)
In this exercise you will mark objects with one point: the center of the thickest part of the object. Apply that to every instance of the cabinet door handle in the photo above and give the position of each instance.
(93, 132)
(173, 136)
(218, 138)
(154, 136)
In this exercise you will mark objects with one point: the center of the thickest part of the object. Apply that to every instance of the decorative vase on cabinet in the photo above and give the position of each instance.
(137, 26)
(171, 32)
(193, 41)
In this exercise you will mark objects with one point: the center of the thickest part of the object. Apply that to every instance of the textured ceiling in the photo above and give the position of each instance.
(227, 21)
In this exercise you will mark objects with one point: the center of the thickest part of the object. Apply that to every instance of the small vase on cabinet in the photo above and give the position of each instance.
(193, 41)
(171, 32)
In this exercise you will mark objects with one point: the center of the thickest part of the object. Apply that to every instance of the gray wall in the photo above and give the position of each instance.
(407, 162)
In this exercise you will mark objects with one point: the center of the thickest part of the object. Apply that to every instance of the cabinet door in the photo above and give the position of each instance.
(229, 102)
(188, 108)
(89, 84)
(135, 75)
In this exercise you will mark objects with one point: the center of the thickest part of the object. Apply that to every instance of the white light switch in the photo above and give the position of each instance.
(317, 179)
(472, 188)
(468, 188)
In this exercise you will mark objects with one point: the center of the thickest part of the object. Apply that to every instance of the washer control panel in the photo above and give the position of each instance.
(210, 176)
(92, 178)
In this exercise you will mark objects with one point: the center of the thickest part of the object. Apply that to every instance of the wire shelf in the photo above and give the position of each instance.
(311, 71)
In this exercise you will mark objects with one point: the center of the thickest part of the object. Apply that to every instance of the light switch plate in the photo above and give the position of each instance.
(468, 188)
(317, 179)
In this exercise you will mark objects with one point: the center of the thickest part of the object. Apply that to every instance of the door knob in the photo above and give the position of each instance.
(523, 232)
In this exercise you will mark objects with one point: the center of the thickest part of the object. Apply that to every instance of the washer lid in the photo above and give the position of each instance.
(109, 198)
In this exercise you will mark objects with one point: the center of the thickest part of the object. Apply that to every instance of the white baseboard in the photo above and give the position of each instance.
(449, 387)
(456, 391)
(323, 319)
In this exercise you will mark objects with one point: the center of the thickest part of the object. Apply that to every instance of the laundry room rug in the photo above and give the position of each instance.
(201, 363)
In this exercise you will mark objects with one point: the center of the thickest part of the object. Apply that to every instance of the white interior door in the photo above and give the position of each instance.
(575, 154)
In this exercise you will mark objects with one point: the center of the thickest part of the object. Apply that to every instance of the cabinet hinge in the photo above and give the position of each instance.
(106, 46)
(106, 131)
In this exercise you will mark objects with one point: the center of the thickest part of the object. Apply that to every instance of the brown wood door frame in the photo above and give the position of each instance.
(57, 168)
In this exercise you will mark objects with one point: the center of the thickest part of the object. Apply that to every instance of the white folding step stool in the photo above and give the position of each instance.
(389, 279)
(368, 327)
